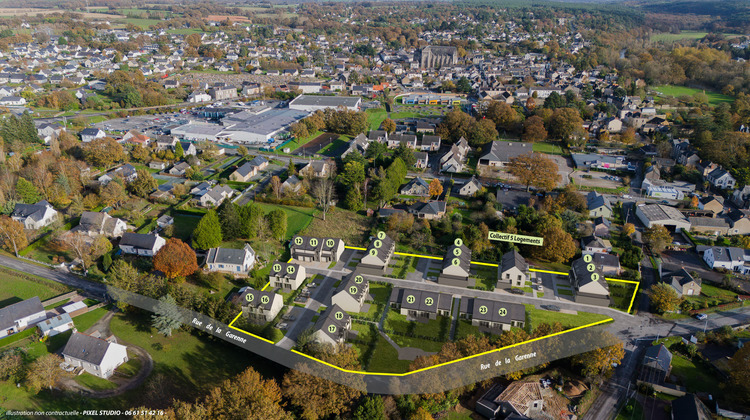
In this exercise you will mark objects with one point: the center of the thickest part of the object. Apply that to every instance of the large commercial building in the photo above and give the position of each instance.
(311, 103)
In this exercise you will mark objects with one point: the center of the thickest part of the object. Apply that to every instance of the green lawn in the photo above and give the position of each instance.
(95, 383)
(622, 294)
(131, 367)
(333, 148)
(297, 217)
(486, 276)
(435, 328)
(385, 358)
(420, 343)
(539, 316)
(667, 37)
(464, 328)
(712, 295)
(714, 98)
(375, 117)
(631, 411)
(14, 288)
(694, 377)
(549, 148)
(85, 321)
(184, 226)
(402, 266)
(296, 144)
(380, 292)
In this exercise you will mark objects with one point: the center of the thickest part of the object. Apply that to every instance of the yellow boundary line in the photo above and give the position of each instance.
(361, 372)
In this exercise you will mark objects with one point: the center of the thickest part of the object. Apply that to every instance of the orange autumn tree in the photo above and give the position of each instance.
(176, 259)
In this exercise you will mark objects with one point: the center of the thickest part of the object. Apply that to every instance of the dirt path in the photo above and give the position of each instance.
(125, 384)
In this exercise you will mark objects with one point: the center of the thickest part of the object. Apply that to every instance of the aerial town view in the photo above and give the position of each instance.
(375, 210)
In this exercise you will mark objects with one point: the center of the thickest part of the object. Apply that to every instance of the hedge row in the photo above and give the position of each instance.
(52, 285)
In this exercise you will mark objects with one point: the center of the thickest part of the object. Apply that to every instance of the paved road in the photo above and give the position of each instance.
(93, 288)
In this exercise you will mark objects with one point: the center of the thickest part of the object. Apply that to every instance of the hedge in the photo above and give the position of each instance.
(16, 337)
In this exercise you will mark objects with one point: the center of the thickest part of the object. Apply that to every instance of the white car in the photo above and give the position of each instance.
(701, 317)
(539, 288)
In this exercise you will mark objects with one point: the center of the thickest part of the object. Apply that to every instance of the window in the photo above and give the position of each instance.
(221, 265)
(238, 268)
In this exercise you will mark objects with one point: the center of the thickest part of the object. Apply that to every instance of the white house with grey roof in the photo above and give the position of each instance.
(499, 153)
(332, 327)
(34, 216)
(315, 249)
(52, 326)
(589, 283)
(259, 306)
(286, 276)
(351, 292)
(492, 316)
(313, 103)
(143, 244)
(729, 258)
(98, 223)
(377, 255)
(91, 134)
(94, 355)
(226, 260)
(456, 267)
(415, 303)
(514, 270)
(215, 196)
(18, 316)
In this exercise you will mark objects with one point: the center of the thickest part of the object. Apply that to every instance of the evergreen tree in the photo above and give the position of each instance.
(250, 215)
(277, 222)
(354, 199)
(372, 408)
(179, 152)
(27, 191)
(208, 232)
(167, 316)
(230, 220)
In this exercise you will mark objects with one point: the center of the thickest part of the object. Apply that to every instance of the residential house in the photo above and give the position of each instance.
(351, 293)
(601, 227)
(720, 178)
(126, 172)
(598, 205)
(98, 223)
(164, 221)
(91, 134)
(316, 169)
(18, 316)
(286, 276)
(514, 270)
(94, 355)
(34, 216)
(429, 143)
(332, 326)
(56, 325)
(511, 200)
(416, 186)
(136, 137)
(730, 258)
(470, 188)
(709, 225)
(740, 222)
(377, 255)
(408, 140)
(588, 281)
(656, 365)
(608, 264)
(260, 307)
(179, 169)
(157, 164)
(292, 185)
(417, 304)
(713, 203)
(215, 196)
(683, 283)
(492, 316)
(456, 267)
(499, 153)
(741, 197)
(518, 401)
(235, 261)
(429, 210)
(421, 160)
(306, 248)
(249, 169)
(143, 244)
(593, 244)
(690, 407)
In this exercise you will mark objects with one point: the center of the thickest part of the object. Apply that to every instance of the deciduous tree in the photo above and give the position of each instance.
(533, 129)
(739, 373)
(565, 123)
(389, 125)
(143, 184)
(628, 229)
(664, 298)
(657, 237)
(45, 372)
(175, 259)
(12, 235)
(103, 152)
(323, 190)
(534, 169)
(436, 188)
(600, 361)
(276, 186)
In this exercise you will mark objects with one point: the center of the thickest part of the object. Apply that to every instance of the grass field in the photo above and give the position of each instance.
(385, 358)
(539, 316)
(296, 144)
(694, 377)
(184, 226)
(92, 382)
(549, 148)
(351, 227)
(714, 98)
(667, 37)
(375, 117)
(85, 321)
(14, 289)
(298, 218)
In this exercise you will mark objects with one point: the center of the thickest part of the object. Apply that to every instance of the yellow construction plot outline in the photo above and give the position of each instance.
(361, 372)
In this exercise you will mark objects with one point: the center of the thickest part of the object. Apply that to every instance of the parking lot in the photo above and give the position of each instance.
(597, 179)
(140, 123)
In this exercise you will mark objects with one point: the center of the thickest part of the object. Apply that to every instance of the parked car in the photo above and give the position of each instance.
(517, 291)
(701, 317)
(551, 308)
(539, 288)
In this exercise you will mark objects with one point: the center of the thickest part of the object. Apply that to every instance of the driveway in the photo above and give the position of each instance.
(692, 262)
(564, 168)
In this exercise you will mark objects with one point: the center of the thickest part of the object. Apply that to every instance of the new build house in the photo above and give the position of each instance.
(310, 249)
(378, 255)
(514, 270)
(258, 306)
(332, 326)
(456, 267)
(492, 316)
(588, 281)
(351, 292)
(420, 303)
(286, 276)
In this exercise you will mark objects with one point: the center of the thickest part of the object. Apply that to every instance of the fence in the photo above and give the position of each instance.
(59, 298)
